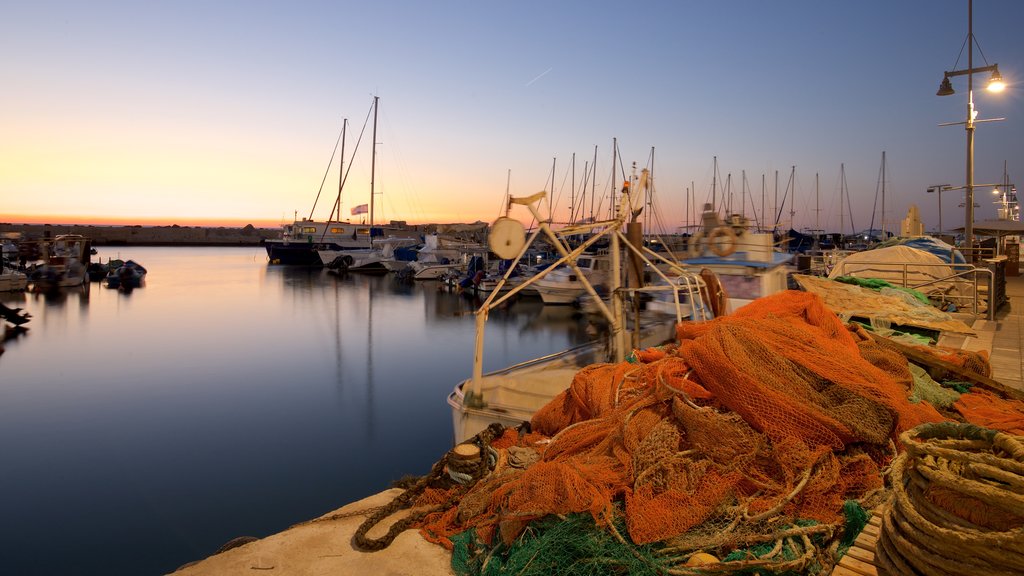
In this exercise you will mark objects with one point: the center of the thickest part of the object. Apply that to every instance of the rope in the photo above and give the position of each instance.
(984, 469)
(406, 499)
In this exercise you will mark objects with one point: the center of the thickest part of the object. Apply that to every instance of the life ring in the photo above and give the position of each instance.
(695, 246)
(715, 241)
(713, 294)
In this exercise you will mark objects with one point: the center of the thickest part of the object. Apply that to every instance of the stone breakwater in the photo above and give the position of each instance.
(147, 235)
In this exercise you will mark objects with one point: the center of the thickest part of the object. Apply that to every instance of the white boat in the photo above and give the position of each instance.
(441, 256)
(65, 263)
(12, 280)
(512, 395)
(563, 285)
(380, 259)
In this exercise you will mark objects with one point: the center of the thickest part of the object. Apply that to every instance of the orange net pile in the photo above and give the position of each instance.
(753, 428)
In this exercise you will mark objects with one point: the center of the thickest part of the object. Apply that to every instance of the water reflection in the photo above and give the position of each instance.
(228, 397)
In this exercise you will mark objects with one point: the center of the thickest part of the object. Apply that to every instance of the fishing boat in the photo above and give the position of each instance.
(512, 395)
(65, 263)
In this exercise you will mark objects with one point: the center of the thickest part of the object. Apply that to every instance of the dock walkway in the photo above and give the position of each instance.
(1002, 338)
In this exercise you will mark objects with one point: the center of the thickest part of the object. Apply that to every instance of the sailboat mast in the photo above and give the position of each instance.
(615, 147)
(714, 183)
(792, 199)
(572, 192)
(373, 161)
(883, 196)
(593, 185)
(341, 167)
(817, 204)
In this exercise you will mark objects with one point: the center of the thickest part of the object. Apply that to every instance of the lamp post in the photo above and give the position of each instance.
(939, 188)
(945, 89)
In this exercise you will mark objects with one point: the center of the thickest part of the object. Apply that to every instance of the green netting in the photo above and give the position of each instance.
(877, 285)
(856, 519)
(571, 547)
(927, 389)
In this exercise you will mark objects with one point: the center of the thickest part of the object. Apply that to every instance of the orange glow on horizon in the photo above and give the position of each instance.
(58, 219)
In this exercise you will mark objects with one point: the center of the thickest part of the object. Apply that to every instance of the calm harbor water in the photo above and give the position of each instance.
(227, 397)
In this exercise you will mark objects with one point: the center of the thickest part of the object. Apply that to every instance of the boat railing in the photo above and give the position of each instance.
(975, 277)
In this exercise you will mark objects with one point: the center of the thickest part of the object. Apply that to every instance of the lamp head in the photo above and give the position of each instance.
(995, 83)
(946, 88)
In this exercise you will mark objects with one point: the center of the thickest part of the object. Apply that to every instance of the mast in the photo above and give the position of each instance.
(572, 192)
(373, 162)
(341, 171)
(714, 183)
(817, 204)
(593, 185)
(615, 147)
(775, 209)
(764, 221)
(883, 196)
(792, 199)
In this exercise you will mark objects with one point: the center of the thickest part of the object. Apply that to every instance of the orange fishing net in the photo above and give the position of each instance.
(751, 421)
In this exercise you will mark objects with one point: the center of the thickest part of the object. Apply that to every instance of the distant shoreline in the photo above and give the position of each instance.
(138, 235)
(175, 235)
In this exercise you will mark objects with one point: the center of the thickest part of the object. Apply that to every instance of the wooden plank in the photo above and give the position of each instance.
(872, 529)
(862, 554)
(857, 566)
(841, 570)
(866, 541)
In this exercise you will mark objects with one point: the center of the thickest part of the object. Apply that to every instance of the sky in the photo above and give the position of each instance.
(228, 112)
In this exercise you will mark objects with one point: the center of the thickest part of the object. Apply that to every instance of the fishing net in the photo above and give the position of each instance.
(751, 441)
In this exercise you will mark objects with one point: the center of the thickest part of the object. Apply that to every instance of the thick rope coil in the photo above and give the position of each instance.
(406, 499)
(981, 467)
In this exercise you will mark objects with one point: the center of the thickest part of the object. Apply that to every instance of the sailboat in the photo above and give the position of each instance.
(302, 240)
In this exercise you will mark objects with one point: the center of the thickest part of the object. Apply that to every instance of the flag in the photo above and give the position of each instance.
(361, 209)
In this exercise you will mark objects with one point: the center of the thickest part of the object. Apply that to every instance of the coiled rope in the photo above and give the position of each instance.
(468, 476)
(958, 505)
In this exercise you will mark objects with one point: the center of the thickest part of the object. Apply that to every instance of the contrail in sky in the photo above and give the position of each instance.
(541, 75)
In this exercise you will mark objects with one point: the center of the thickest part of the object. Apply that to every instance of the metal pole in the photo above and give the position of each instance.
(969, 197)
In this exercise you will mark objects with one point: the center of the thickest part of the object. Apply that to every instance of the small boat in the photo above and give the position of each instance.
(12, 280)
(127, 276)
(380, 259)
(65, 263)
(98, 271)
(442, 256)
(563, 284)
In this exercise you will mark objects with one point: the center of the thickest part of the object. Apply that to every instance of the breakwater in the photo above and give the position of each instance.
(173, 235)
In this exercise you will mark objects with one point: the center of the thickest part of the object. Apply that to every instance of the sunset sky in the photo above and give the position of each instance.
(227, 112)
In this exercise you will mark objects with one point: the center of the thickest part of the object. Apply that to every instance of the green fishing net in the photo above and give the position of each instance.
(570, 547)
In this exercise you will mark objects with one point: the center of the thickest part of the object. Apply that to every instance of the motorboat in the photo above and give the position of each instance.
(441, 256)
(380, 259)
(564, 285)
(129, 275)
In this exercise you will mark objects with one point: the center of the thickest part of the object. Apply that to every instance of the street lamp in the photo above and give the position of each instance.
(996, 84)
(939, 188)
